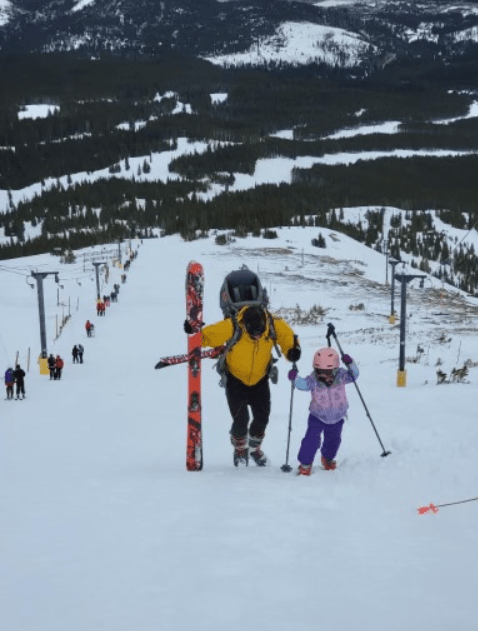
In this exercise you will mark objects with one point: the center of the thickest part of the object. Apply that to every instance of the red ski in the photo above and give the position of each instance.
(194, 312)
(182, 359)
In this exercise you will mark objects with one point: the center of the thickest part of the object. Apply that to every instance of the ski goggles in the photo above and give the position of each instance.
(325, 372)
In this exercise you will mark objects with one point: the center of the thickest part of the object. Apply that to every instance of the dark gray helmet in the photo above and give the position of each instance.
(240, 288)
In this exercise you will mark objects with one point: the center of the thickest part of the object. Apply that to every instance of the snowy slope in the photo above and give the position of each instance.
(101, 526)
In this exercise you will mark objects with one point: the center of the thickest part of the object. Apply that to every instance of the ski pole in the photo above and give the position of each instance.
(434, 507)
(331, 332)
(286, 467)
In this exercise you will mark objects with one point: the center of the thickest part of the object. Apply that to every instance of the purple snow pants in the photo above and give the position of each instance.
(312, 440)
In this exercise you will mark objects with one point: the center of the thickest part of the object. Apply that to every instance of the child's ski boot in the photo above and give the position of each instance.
(304, 469)
(329, 465)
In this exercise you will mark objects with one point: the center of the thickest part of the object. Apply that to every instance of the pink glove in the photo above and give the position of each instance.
(347, 359)
(292, 375)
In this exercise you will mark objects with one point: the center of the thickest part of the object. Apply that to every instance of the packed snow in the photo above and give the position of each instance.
(102, 527)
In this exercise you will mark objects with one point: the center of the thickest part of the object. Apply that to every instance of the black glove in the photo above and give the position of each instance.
(293, 354)
(187, 327)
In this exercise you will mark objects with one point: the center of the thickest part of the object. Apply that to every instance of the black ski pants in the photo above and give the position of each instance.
(240, 397)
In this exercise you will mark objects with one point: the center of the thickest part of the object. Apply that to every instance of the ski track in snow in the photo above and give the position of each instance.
(101, 526)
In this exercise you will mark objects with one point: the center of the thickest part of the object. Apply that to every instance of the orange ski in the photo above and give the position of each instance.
(194, 314)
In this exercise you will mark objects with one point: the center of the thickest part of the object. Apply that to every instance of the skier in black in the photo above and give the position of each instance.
(51, 366)
(81, 350)
(19, 375)
(74, 353)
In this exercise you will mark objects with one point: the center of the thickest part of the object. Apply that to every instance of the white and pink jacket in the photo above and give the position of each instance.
(329, 404)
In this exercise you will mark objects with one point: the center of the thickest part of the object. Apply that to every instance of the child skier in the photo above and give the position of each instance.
(327, 409)
(9, 381)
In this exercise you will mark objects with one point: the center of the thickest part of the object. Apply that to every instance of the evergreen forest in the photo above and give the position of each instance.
(106, 111)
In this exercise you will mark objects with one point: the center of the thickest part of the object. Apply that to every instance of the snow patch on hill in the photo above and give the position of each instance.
(5, 8)
(81, 5)
(37, 111)
(301, 43)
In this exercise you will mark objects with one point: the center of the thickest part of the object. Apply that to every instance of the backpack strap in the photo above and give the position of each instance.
(272, 332)
(220, 365)
(236, 335)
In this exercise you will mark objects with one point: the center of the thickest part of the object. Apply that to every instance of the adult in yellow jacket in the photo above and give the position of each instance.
(247, 366)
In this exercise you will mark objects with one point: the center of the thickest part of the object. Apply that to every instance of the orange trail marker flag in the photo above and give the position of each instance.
(434, 508)
(425, 509)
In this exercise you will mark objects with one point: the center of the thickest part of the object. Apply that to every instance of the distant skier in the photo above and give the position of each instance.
(81, 350)
(74, 354)
(51, 366)
(9, 382)
(59, 363)
(19, 375)
(88, 327)
(328, 407)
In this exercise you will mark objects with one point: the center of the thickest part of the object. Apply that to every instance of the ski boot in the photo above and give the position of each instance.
(241, 453)
(255, 451)
(329, 465)
(304, 469)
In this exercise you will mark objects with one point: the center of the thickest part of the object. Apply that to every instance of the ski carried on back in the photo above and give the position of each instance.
(194, 313)
(186, 357)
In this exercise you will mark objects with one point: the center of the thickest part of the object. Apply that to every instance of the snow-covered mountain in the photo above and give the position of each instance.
(244, 31)
(101, 526)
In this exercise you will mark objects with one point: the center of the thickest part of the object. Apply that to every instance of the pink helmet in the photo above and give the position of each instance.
(326, 358)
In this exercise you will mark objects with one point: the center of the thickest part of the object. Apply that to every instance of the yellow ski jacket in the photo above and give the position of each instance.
(248, 360)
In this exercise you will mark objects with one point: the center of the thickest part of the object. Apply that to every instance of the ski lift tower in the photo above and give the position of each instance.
(393, 263)
(39, 278)
(404, 279)
(386, 251)
(97, 273)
